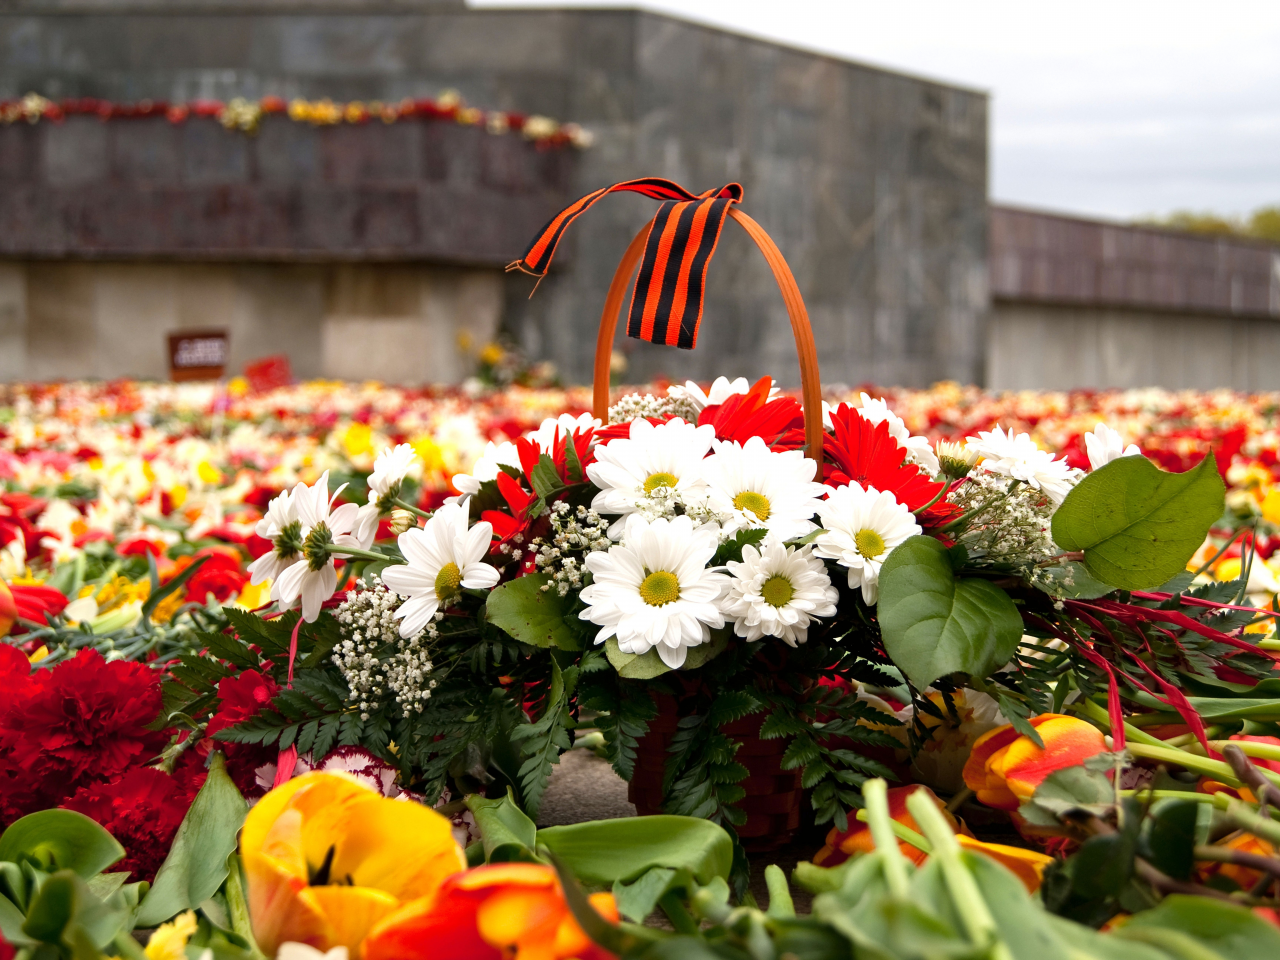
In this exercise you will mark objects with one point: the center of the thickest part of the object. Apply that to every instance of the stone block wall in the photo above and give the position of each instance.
(872, 183)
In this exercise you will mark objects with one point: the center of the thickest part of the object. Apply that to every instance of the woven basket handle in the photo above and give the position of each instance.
(810, 380)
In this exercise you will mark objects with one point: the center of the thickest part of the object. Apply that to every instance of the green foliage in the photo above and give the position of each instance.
(52, 840)
(532, 615)
(934, 623)
(1136, 524)
(506, 832)
(197, 862)
(544, 739)
(626, 710)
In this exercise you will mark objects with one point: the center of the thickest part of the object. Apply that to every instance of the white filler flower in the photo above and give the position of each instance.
(862, 527)
(758, 487)
(776, 590)
(1104, 445)
(1017, 456)
(443, 557)
(654, 590)
(629, 469)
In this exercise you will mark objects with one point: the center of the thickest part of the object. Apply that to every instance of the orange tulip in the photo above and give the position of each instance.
(1005, 767)
(505, 911)
(1245, 877)
(1027, 865)
(857, 839)
(327, 858)
(8, 609)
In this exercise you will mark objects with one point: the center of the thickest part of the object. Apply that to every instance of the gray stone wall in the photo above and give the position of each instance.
(873, 184)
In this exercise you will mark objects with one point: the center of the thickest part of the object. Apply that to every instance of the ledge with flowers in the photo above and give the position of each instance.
(925, 641)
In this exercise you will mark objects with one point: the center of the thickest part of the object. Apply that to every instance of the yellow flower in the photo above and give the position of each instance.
(327, 858)
(169, 941)
(492, 354)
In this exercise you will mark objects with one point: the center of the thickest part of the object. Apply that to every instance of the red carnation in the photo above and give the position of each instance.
(219, 575)
(83, 721)
(242, 697)
(143, 810)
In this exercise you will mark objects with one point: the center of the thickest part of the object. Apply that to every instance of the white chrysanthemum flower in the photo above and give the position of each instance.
(758, 487)
(1017, 456)
(493, 459)
(281, 526)
(919, 450)
(545, 435)
(776, 590)
(629, 469)
(313, 576)
(443, 557)
(1104, 445)
(389, 471)
(654, 590)
(722, 388)
(862, 527)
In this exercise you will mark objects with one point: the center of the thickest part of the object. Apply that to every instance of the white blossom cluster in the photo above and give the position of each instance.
(636, 405)
(1015, 527)
(667, 502)
(374, 659)
(573, 531)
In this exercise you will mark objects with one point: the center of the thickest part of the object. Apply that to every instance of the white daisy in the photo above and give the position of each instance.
(323, 531)
(545, 435)
(721, 390)
(281, 526)
(862, 526)
(629, 469)
(758, 487)
(494, 458)
(1104, 445)
(776, 590)
(654, 590)
(443, 557)
(1017, 456)
(389, 471)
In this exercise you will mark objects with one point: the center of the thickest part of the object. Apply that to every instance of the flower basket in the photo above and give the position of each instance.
(773, 795)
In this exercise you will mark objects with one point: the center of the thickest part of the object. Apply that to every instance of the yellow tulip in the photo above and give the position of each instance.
(327, 858)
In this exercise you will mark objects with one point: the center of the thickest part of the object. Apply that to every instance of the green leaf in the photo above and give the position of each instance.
(603, 852)
(506, 832)
(197, 861)
(60, 840)
(934, 624)
(545, 478)
(1230, 931)
(530, 614)
(647, 665)
(1170, 837)
(637, 900)
(1138, 525)
(174, 585)
(64, 912)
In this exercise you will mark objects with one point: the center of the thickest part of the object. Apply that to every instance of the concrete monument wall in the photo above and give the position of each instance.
(872, 183)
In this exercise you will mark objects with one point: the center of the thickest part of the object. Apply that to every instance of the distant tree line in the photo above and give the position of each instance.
(1262, 224)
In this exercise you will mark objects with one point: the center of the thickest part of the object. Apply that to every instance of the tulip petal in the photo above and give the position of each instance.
(1068, 742)
(1027, 865)
(431, 928)
(351, 912)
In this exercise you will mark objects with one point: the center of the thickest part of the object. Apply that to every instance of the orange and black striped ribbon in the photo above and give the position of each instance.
(666, 304)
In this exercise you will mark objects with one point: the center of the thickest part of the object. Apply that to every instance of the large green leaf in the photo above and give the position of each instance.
(1137, 524)
(507, 833)
(60, 840)
(530, 614)
(934, 624)
(66, 913)
(604, 851)
(197, 861)
(647, 665)
(1228, 930)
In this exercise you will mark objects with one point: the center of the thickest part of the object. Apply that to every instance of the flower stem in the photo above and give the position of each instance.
(405, 505)
(238, 907)
(355, 553)
(876, 793)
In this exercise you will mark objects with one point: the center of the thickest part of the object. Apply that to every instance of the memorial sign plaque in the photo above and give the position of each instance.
(197, 354)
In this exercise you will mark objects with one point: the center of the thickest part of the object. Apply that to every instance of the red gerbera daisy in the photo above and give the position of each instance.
(859, 451)
(753, 414)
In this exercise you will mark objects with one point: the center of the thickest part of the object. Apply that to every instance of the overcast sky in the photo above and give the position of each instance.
(1121, 108)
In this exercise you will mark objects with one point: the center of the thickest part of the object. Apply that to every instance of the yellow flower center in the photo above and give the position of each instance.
(448, 580)
(869, 543)
(660, 588)
(657, 480)
(757, 503)
(777, 591)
